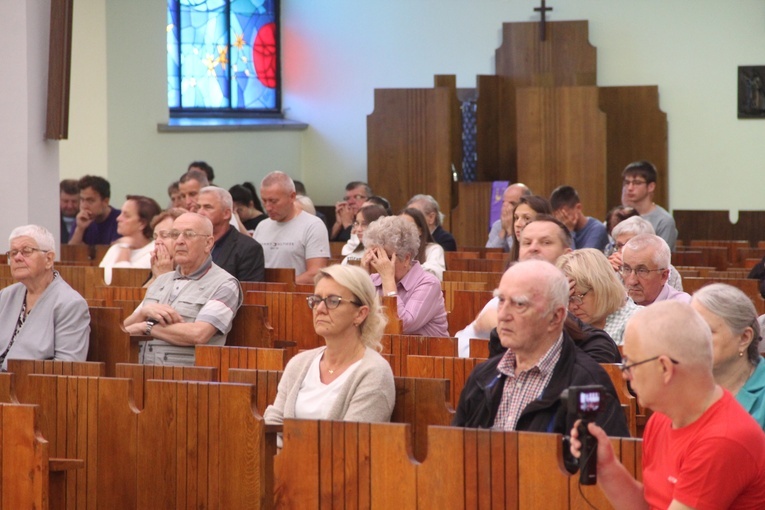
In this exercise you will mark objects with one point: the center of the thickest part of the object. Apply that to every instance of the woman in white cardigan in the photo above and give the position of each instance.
(135, 246)
(347, 379)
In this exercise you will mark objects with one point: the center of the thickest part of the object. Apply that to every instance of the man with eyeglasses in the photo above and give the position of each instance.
(701, 448)
(195, 304)
(645, 271)
(638, 186)
(237, 253)
(356, 193)
(520, 389)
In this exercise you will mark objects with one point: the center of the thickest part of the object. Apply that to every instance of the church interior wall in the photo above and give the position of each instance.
(336, 52)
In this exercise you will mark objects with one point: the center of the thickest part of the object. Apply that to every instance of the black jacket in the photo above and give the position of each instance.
(241, 256)
(595, 342)
(445, 239)
(482, 395)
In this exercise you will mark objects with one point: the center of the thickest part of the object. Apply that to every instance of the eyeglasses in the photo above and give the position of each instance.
(188, 234)
(355, 197)
(26, 252)
(641, 272)
(164, 234)
(577, 299)
(633, 182)
(627, 366)
(331, 302)
(357, 224)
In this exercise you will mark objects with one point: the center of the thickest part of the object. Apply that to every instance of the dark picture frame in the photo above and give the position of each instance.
(751, 92)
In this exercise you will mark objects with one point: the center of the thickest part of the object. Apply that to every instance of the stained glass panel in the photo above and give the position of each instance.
(222, 55)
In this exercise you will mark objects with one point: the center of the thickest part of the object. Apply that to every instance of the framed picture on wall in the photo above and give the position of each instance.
(751, 92)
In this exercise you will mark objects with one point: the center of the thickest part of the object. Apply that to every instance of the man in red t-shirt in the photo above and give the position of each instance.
(701, 449)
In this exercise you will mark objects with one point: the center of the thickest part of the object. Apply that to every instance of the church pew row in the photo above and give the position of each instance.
(490, 279)
(355, 465)
(420, 402)
(455, 370)
(396, 348)
(225, 358)
(749, 287)
(450, 287)
(180, 451)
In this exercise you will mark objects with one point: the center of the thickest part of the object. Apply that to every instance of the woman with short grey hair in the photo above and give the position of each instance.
(59, 328)
(737, 364)
(392, 244)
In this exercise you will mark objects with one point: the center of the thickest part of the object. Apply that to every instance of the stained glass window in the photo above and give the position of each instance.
(223, 56)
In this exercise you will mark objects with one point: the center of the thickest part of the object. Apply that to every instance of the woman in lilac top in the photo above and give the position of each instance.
(392, 244)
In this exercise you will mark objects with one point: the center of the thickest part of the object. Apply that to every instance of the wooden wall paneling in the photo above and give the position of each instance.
(59, 70)
(563, 141)
(637, 130)
(470, 219)
(565, 58)
(749, 226)
(409, 141)
(704, 225)
(496, 130)
(450, 81)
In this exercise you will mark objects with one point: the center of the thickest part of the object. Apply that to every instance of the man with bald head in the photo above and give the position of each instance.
(701, 449)
(290, 236)
(501, 233)
(645, 271)
(193, 305)
(520, 389)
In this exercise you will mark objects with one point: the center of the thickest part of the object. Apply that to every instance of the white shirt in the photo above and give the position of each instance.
(316, 398)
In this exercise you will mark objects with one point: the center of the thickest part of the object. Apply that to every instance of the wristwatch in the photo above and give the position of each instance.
(149, 324)
(391, 294)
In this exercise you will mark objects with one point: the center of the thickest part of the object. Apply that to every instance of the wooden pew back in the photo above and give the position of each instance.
(108, 343)
(397, 347)
(455, 370)
(355, 465)
(224, 358)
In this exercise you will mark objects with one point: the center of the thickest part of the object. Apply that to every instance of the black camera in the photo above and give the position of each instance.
(585, 403)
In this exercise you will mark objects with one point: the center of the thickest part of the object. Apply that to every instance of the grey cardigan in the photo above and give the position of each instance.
(58, 327)
(368, 395)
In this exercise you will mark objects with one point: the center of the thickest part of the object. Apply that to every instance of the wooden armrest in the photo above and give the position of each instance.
(283, 344)
(274, 429)
(62, 464)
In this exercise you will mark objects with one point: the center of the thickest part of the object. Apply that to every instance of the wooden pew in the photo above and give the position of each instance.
(455, 370)
(749, 287)
(419, 402)
(22, 368)
(224, 358)
(290, 317)
(281, 274)
(108, 342)
(467, 305)
(449, 288)
(355, 465)
(139, 374)
(129, 276)
(81, 254)
(397, 347)
(479, 348)
(479, 265)
(195, 444)
(627, 399)
(390, 307)
(83, 279)
(251, 328)
(111, 294)
(490, 279)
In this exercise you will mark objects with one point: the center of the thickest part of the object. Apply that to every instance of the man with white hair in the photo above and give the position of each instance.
(428, 206)
(520, 389)
(701, 449)
(193, 305)
(626, 230)
(290, 236)
(645, 270)
(237, 253)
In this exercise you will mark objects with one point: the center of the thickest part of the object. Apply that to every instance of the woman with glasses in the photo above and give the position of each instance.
(41, 316)
(597, 296)
(392, 245)
(737, 364)
(164, 245)
(135, 246)
(366, 215)
(347, 379)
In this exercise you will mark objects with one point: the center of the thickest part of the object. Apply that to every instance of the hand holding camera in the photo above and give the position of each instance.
(584, 403)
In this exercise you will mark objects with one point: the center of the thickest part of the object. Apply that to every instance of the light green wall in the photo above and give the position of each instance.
(337, 51)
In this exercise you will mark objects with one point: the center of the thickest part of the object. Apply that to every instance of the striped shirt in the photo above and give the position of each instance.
(523, 388)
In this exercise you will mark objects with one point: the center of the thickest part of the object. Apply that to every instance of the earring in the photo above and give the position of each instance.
(740, 353)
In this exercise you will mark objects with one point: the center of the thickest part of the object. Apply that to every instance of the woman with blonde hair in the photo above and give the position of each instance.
(347, 379)
(597, 296)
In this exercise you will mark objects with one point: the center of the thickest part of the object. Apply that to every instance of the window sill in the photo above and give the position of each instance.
(210, 124)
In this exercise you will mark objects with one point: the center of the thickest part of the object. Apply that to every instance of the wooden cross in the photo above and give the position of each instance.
(542, 10)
